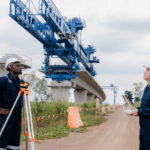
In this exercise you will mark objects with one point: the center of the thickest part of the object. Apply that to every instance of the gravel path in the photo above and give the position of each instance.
(119, 132)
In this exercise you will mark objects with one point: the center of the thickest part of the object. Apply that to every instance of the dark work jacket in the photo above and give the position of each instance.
(144, 115)
(9, 89)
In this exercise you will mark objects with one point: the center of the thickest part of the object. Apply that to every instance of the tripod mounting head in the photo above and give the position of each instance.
(24, 85)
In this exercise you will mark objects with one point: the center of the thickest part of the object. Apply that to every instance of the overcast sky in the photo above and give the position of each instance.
(118, 29)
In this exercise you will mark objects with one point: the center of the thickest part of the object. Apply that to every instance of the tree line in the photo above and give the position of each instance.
(136, 93)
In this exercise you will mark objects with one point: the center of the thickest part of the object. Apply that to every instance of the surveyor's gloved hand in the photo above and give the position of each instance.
(134, 112)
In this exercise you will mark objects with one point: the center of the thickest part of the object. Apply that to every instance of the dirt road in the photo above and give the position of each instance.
(119, 132)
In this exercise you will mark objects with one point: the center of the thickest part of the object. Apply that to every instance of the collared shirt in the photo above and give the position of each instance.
(144, 112)
(9, 89)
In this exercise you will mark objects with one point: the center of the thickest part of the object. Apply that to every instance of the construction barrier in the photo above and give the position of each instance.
(109, 108)
(97, 103)
(114, 108)
(103, 110)
(74, 120)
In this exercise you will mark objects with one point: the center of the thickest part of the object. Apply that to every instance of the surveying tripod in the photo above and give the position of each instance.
(27, 108)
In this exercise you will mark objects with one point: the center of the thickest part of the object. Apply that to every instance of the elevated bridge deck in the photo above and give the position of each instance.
(85, 88)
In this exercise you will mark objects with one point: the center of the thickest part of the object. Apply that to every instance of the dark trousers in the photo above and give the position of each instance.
(10, 138)
(144, 142)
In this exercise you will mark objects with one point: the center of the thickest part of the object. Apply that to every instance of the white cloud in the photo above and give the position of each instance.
(119, 29)
(122, 63)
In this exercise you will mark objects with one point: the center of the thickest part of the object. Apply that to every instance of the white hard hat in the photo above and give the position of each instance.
(10, 61)
(147, 66)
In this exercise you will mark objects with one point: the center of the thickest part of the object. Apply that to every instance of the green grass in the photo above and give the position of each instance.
(90, 104)
(49, 132)
(57, 127)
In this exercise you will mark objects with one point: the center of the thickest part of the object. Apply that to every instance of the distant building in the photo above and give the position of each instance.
(26, 61)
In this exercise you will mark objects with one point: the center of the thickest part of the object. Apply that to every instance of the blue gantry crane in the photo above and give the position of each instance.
(58, 36)
(115, 90)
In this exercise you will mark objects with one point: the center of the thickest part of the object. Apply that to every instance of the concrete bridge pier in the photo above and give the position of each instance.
(97, 103)
(90, 97)
(60, 91)
(86, 88)
(2, 72)
(80, 96)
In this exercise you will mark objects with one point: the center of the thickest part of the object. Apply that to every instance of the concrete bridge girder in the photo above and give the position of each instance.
(82, 85)
(85, 88)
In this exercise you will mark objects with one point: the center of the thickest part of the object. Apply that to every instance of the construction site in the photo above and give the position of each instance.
(75, 95)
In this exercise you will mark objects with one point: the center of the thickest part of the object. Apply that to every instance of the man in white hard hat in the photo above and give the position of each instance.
(9, 88)
(144, 114)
